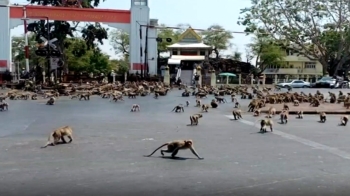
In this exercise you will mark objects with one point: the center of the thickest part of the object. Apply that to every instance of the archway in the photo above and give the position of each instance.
(132, 21)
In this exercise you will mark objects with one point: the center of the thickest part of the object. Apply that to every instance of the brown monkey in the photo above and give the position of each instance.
(296, 102)
(237, 114)
(198, 103)
(117, 97)
(34, 96)
(195, 118)
(344, 120)
(220, 99)
(187, 103)
(4, 106)
(237, 105)
(300, 114)
(156, 95)
(59, 134)
(257, 112)
(284, 116)
(51, 101)
(271, 112)
(285, 107)
(264, 123)
(323, 117)
(86, 97)
(178, 108)
(233, 98)
(135, 107)
(205, 107)
(173, 147)
(132, 95)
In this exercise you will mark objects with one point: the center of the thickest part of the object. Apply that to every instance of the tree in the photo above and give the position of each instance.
(266, 52)
(305, 25)
(18, 52)
(120, 41)
(62, 29)
(217, 37)
(248, 54)
(164, 33)
(237, 56)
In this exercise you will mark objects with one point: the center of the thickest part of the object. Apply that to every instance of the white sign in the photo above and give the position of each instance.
(54, 62)
(49, 42)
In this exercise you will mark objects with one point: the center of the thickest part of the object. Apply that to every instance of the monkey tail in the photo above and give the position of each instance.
(156, 150)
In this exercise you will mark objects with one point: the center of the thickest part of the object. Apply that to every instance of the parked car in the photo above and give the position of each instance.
(324, 82)
(294, 84)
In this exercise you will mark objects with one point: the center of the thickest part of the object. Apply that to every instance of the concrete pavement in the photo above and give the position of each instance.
(106, 157)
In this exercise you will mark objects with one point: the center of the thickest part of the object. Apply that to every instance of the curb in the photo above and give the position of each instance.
(313, 112)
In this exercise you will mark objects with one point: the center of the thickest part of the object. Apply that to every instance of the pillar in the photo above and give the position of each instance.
(287, 78)
(5, 37)
(44, 79)
(213, 78)
(252, 79)
(199, 73)
(276, 79)
(113, 76)
(139, 16)
(166, 76)
(239, 79)
(152, 46)
(264, 79)
(307, 78)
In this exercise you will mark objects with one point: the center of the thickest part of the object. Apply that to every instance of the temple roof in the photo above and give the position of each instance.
(189, 45)
(189, 39)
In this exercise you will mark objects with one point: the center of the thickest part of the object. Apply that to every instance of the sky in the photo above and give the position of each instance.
(200, 14)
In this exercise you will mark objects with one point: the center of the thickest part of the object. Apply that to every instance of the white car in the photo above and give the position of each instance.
(294, 84)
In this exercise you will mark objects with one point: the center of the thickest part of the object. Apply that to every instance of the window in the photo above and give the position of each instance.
(174, 52)
(202, 53)
(310, 65)
(140, 2)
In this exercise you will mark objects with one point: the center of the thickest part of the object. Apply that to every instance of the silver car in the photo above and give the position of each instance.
(294, 84)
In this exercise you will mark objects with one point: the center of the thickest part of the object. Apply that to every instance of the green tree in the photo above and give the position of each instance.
(120, 41)
(237, 56)
(99, 62)
(164, 33)
(217, 37)
(303, 24)
(62, 29)
(267, 52)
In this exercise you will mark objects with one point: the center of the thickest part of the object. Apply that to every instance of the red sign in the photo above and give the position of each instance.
(3, 63)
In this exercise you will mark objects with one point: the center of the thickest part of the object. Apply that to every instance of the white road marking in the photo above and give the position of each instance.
(306, 142)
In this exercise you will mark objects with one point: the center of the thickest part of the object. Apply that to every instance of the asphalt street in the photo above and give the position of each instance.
(304, 157)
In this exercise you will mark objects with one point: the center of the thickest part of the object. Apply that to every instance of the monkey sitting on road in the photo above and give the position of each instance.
(156, 95)
(51, 101)
(59, 134)
(173, 147)
(300, 114)
(187, 103)
(257, 112)
(178, 108)
(213, 103)
(4, 106)
(237, 114)
(296, 102)
(135, 107)
(237, 105)
(284, 117)
(344, 120)
(198, 103)
(195, 118)
(264, 123)
(285, 107)
(205, 107)
(220, 99)
(323, 117)
(34, 96)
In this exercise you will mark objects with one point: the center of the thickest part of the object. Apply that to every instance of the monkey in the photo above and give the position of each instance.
(233, 98)
(323, 117)
(237, 114)
(59, 134)
(4, 106)
(51, 101)
(205, 107)
(257, 112)
(178, 108)
(156, 95)
(173, 147)
(135, 107)
(237, 105)
(300, 114)
(344, 120)
(296, 102)
(187, 103)
(132, 95)
(195, 118)
(284, 117)
(250, 96)
(213, 103)
(285, 107)
(86, 97)
(76, 96)
(220, 99)
(271, 112)
(117, 97)
(34, 96)
(264, 123)
(198, 103)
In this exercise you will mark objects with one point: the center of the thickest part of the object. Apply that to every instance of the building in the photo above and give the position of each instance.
(186, 54)
(295, 66)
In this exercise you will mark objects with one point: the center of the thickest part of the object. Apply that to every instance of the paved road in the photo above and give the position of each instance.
(302, 158)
